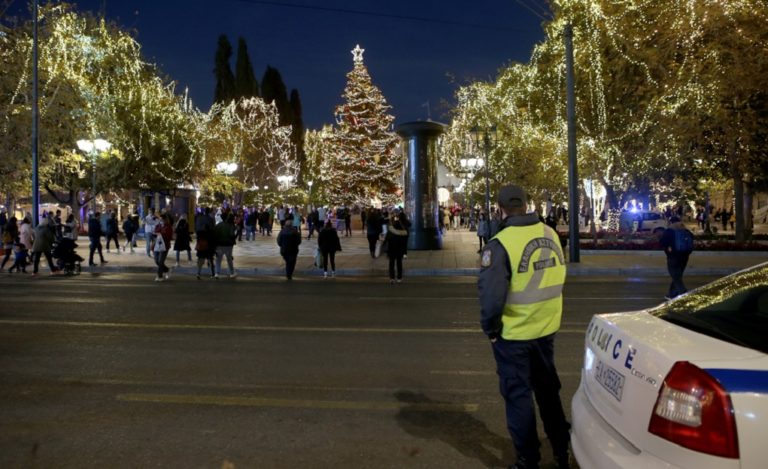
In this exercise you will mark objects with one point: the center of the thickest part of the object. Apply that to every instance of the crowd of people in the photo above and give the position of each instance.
(212, 235)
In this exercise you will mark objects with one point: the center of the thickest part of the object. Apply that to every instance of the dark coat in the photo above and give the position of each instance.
(373, 225)
(182, 236)
(129, 228)
(94, 228)
(225, 234)
(289, 240)
(111, 226)
(397, 241)
(328, 240)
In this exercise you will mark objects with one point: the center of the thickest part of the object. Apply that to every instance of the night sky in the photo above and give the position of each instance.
(411, 61)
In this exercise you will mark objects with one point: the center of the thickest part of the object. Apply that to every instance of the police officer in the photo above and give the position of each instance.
(520, 287)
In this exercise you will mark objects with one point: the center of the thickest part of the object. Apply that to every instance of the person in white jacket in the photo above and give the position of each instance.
(150, 222)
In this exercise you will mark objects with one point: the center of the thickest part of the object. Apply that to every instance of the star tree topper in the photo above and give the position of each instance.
(357, 54)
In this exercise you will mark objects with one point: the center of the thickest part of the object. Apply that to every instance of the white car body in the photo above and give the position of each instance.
(628, 356)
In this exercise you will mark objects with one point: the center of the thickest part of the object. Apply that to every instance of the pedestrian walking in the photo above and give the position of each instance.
(347, 221)
(373, 230)
(70, 228)
(10, 238)
(251, 219)
(57, 226)
(130, 232)
(161, 242)
(520, 288)
(21, 258)
(289, 240)
(482, 231)
(3, 222)
(42, 246)
(397, 245)
(25, 233)
(94, 236)
(150, 222)
(225, 234)
(183, 239)
(328, 242)
(205, 249)
(113, 231)
(677, 243)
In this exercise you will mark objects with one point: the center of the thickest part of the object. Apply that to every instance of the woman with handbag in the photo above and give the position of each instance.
(328, 242)
(163, 237)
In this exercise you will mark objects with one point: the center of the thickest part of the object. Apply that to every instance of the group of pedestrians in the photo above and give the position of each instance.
(216, 232)
(29, 245)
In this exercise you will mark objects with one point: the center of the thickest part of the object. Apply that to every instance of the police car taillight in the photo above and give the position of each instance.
(694, 411)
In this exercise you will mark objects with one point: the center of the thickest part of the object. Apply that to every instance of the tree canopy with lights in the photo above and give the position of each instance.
(668, 93)
(94, 83)
(359, 162)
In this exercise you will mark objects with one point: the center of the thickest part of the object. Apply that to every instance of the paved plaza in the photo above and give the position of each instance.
(458, 257)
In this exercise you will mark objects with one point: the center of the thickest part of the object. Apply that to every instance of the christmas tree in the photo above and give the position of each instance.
(364, 166)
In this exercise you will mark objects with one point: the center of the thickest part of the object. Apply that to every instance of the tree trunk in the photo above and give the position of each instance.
(748, 221)
(738, 192)
(75, 198)
(610, 197)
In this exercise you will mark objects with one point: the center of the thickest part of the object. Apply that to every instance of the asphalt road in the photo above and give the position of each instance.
(118, 371)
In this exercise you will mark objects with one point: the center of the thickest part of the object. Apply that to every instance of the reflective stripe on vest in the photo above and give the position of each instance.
(534, 302)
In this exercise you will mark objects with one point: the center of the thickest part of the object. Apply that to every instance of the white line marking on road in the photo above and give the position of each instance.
(474, 298)
(214, 327)
(295, 403)
(488, 373)
(610, 298)
(419, 298)
(51, 299)
(251, 387)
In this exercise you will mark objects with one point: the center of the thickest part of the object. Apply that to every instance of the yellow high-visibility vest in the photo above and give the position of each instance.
(534, 304)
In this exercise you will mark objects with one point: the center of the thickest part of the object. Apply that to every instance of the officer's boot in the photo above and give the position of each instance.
(522, 463)
(563, 460)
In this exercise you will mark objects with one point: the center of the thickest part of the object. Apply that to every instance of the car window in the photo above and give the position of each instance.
(734, 309)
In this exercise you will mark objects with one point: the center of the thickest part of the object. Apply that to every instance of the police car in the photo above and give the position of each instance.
(684, 384)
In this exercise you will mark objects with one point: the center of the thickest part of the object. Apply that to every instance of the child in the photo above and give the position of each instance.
(20, 259)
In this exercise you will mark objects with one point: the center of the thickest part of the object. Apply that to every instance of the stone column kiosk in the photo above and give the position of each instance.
(420, 183)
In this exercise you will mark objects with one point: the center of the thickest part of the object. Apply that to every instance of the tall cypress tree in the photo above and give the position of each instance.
(225, 80)
(297, 132)
(246, 85)
(273, 89)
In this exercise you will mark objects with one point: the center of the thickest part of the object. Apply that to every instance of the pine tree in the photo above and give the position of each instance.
(297, 132)
(225, 80)
(273, 90)
(366, 166)
(246, 85)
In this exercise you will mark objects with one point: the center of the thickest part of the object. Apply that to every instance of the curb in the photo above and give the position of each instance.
(575, 271)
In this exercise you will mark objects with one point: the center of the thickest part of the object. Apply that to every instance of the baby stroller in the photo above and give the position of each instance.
(67, 260)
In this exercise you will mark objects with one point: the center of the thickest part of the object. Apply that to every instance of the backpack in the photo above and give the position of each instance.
(683, 242)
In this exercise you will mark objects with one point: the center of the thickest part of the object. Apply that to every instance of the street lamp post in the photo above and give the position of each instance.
(486, 137)
(469, 166)
(227, 168)
(285, 181)
(93, 148)
(310, 184)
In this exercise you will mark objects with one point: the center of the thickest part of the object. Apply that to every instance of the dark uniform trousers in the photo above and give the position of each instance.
(527, 368)
(676, 264)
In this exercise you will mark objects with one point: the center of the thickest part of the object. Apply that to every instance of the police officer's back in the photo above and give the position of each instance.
(520, 287)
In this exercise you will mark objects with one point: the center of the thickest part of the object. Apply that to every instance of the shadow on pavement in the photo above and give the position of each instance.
(431, 419)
